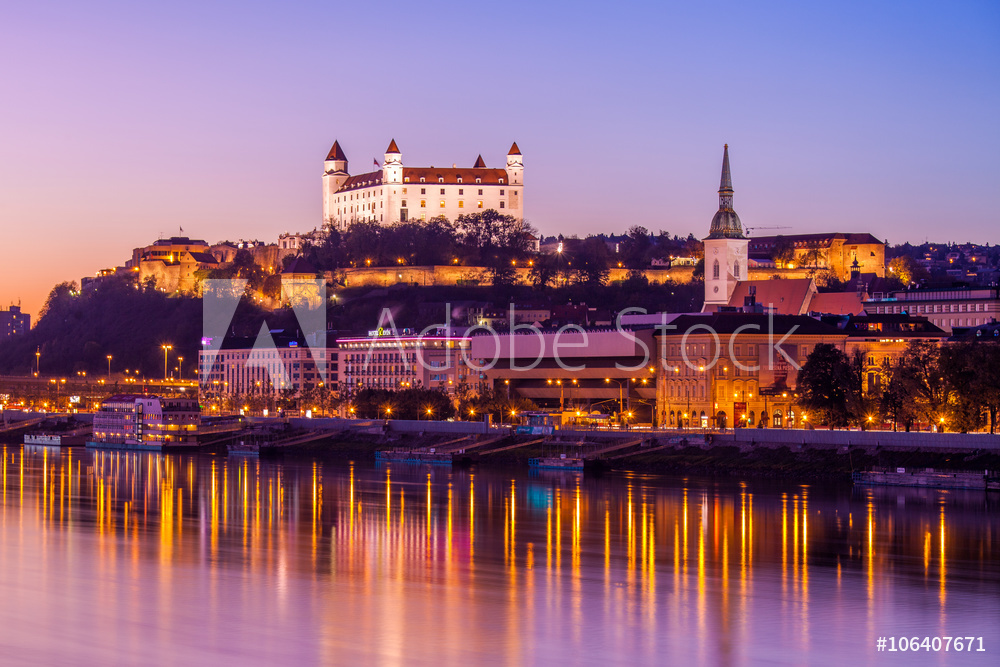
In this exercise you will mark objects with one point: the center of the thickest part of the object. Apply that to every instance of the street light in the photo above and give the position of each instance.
(180, 368)
(166, 349)
(109, 367)
(38, 361)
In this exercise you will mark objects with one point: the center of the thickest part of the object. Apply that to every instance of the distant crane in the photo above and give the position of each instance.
(750, 229)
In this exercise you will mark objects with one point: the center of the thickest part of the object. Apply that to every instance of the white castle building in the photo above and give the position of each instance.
(397, 193)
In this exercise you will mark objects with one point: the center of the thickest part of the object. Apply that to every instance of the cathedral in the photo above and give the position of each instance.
(397, 193)
(726, 248)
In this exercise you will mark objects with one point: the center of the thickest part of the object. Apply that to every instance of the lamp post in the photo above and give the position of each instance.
(109, 368)
(38, 361)
(166, 349)
(180, 369)
(560, 383)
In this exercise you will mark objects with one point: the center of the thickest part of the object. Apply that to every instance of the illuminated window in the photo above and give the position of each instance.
(423, 203)
(461, 204)
(479, 204)
(442, 203)
(406, 179)
(404, 203)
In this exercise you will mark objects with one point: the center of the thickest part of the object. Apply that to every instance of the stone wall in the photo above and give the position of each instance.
(426, 276)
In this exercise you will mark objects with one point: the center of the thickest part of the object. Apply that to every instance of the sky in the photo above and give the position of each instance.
(121, 122)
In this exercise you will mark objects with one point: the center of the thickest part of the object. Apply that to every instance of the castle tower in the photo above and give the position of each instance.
(392, 168)
(515, 166)
(334, 176)
(726, 248)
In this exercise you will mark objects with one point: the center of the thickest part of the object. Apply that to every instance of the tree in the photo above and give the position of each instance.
(825, 384)
(635, 250)
(972, 373)
(591, 261)
(894, 398)
(783, 252)
(922, 378)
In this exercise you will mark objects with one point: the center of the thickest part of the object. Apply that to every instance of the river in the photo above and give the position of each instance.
(138, 558)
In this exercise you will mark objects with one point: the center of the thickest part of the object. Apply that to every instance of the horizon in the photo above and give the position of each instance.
(130, 122)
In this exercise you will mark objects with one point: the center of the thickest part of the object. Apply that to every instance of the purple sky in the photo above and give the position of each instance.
(120, 122)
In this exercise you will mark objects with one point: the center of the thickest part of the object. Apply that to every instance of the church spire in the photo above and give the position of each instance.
(726, 183)
(726, 224)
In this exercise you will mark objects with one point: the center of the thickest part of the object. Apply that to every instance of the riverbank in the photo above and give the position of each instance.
(682, 457)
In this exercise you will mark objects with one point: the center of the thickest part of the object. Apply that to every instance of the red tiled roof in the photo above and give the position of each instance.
(837, 303)
(787, 297)
(452, 174)
(336, 153)
(514, 150)
(431, 175)
(479, 163)
(392, 147)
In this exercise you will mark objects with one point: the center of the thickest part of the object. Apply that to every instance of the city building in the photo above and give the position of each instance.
(726, 369)
(391, 359)
(395, 193)
(944, 306)
(276, 364)
(173, 263)
(604, 369)
(837, 252)
(883, 339)
(13, 322)
(139, 421)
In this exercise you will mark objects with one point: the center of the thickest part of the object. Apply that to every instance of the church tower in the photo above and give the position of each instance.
(334, 176)
(726, 248)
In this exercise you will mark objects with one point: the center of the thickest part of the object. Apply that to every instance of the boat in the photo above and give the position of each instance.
(414, 456)
(140, 422)
(55, 439)
(562, 462)
(929, 478)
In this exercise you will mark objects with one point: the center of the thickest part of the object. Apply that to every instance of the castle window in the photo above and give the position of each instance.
(422, 179)
(479, 180)
(715, 270)
(442, 190)
(480, 191)
(442, 203)
(423, 203)
(404, 191)
(501, 190)
(500, 181)
(501, 205)
(461, 191)
(440, 179)
(404, 203)
(461, 204)
(459, 179)
(479, 204)
(423, 191)
(736, 270)
(406, 179)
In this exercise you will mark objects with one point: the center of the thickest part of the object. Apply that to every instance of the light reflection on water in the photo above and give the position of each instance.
(144, 558)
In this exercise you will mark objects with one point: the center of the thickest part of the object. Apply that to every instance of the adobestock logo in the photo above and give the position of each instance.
(220, 298)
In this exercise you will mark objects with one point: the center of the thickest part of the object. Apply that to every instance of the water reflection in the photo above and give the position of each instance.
(144, 556)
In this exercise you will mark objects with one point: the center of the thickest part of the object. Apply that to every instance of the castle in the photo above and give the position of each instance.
(396, 193)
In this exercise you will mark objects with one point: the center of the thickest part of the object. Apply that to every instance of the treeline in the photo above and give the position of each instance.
(76, 331)
(954, 387)
(500, 243)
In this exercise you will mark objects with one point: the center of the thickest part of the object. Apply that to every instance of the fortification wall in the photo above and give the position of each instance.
(472, 275)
